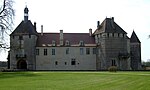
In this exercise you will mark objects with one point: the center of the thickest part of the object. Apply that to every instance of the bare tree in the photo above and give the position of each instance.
(6, 20)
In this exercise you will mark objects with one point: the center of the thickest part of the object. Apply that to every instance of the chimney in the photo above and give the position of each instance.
(90, 32)
(35, 26)
(98, 23)
(112, 19)
(41, 30)
(61, 37)
(112, 22)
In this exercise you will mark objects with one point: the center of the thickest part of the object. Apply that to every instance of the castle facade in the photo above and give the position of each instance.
(108, 46)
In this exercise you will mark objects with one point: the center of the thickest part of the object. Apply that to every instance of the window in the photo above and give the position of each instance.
(107, 34)
(81, 43)
(67, 43)
(73, 61)
(21, 53)
(124, 35)
(81, 51)
(94, 50)
(29, 35)
(87, 50)
(37, 51)
(20, 37)
(21, 42)
(113, 35)
(53, 43)
(56, 63)
(65, 63)
(45, 51)
(113, 63)
(67, 50)
(120, 35)
(53, 51)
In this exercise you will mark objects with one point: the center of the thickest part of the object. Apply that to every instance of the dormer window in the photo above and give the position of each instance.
(67, 43)
(53, 43)
(43, 45)
(81, 43)
(48, 44)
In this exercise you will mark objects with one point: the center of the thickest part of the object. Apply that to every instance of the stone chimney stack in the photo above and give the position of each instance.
(35, 26)
(41, 30)
(112, 19)
(61, 37)
(112, 22)
(98, 23)
(90, 32)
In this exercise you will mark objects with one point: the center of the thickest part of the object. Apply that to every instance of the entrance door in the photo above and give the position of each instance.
(21, 64)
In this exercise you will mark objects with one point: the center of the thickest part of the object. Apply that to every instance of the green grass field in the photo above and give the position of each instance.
(74, 81)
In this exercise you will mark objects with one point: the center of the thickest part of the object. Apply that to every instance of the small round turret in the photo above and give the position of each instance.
(26, 14)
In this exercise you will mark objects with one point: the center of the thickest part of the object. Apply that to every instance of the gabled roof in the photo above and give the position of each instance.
(25, 28)
(73, 38)
(109, 26)
(134, 38)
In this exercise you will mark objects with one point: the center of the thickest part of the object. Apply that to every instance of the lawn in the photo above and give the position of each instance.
(74, 81)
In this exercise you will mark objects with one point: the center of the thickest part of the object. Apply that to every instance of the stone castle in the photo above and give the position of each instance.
(108, 46)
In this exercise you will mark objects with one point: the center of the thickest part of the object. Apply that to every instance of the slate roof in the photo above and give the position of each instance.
(25, 28)
(73, 38)
(109, 26)
(134, 38)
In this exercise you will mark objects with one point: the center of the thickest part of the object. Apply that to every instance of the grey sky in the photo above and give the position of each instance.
(80, 15)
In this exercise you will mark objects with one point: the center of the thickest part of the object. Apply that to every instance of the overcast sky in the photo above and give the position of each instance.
(80, 15)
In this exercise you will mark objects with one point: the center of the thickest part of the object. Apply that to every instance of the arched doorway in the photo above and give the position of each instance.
(21, 64)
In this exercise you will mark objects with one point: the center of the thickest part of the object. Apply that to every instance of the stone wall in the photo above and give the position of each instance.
(136, 56)
(74, 60)
(110, 47)
(23, 49)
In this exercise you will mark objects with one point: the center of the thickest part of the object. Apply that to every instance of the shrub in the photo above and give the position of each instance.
(112, 69)
(2, 69)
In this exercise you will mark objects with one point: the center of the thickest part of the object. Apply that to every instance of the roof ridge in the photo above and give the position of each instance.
(58, 33)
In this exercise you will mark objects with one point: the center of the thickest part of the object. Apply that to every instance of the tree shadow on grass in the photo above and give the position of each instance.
(5, 75)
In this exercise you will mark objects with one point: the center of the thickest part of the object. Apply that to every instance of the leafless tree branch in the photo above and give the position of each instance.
(7, 14)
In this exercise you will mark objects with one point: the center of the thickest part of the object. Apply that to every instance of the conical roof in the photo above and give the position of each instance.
(134, 38)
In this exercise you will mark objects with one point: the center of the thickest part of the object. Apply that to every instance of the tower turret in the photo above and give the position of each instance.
(23, 45)
(135, 48)
(26, 14)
